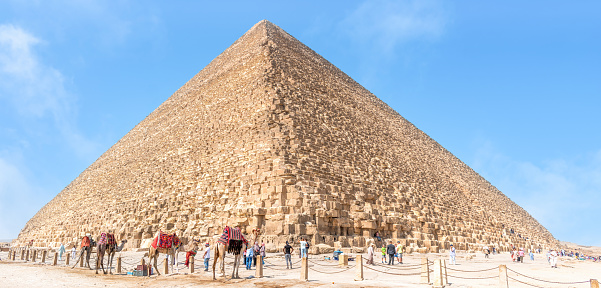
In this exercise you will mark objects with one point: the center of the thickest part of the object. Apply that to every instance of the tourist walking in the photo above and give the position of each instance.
(383, 249)
(262, 253)
(61, 251)
(303, 247)
(256, 250)
(288, 255)
(486, 251)
(531, 255)
(452, 254)
(553, 259)
(370, 254)
(400, 248)
(207, 256)
(73, 250)
(521, 255)
(249, 257)
(390, 250)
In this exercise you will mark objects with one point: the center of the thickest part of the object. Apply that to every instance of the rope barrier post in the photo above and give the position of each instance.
(503, 280)
(304, 270)
(44, 256)
(55, 259)
(166, 267)
(359, 271)
(22, 254)
(118, 264)
(445, 279)
(259, 270)
(67, 259)
(27, 255)
(438, 274)
(33, 256)
(425, 277)
(594, 283)
(191, 263)
(14, 255)
(343, 260)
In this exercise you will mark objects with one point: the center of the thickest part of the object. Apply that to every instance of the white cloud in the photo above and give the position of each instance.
(19, 200)
(386, 24)
(561, 194)
(36, 90)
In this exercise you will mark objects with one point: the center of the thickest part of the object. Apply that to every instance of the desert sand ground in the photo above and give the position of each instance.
(21, 274)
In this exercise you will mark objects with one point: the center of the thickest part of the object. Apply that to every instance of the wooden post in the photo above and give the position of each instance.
(259, 270)
(304, 270)
(55, 259)
(359, 271)
(27, 255)
(22, 254)
(166, 268)
(594, 283)
(343, 260)
(425, 277)
(503, 280)
(67, 259)
(118, 264)
(437, 274)
(33, 256)
(191, 263)
(44, 256)
(445, 279)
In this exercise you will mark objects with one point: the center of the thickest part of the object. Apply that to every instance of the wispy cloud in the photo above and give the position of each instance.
(386, 24)
(36, 90)
(560, 193)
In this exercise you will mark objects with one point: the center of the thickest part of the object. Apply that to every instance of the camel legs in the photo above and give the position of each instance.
(155, 257)
(80, 258)
(236, 265)
(88, 253)
(109, 263)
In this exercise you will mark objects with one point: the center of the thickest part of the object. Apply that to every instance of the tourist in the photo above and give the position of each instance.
(256, 249)
(553, 259)
(383, 249)
(73, 250)
(531, 255)
(244, 256)
(486, 251)
(288, 255)
(249, 257)
(521, 255)
(390, 250)
(303, 247)
(262, 253)
(207, 256)
(452, 254)
(377, 235)
(370, 254)
(61, 251)
(399, 251)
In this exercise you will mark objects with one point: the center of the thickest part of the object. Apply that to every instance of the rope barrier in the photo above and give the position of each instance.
(322, 272)
(541, 280)
(473, 278)
(469, 271)
(408, 267)
(325, 265)
(524, 282)
(410, 274)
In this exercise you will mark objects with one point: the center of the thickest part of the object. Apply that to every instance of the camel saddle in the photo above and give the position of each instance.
(85, 242)
(164, 240)
(233, 238)
(107, 238)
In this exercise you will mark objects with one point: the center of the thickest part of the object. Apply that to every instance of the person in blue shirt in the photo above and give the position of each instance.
(249, 257)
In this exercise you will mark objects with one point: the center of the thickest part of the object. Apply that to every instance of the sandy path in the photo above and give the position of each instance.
(20, 274)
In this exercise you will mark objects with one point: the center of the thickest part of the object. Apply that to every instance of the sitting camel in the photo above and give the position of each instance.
(106, 243)
(86, 247)
(171, 248)
(231, 241)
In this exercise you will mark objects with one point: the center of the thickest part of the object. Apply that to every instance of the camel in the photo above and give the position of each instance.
(153, 253)
(106, 243)
(86, 247)
(233, 246)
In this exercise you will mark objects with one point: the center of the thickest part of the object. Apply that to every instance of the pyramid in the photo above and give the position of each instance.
(270, 135)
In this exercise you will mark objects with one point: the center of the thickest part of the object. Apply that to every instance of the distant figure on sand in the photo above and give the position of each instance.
(553, 259)
(370, 254)
(452, 254)
(390, 250)
(207, 256)
(61, 251)
(288, 255)
(383, 249)
(73, 252)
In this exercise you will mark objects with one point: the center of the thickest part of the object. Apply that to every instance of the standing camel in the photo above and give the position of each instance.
(86, 247)
(106, 243)
(231, 241)
(170, 248)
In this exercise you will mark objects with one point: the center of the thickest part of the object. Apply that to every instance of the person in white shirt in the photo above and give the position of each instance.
(452, 254)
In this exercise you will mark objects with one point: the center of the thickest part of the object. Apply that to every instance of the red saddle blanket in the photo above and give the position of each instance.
(85, 242)
(231, 234)
(164, 240)
(107, 238)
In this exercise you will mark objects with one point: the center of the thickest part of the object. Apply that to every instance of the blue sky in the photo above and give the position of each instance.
(512, 88)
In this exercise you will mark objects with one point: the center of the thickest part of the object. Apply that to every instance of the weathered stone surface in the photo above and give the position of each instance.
(270, 135)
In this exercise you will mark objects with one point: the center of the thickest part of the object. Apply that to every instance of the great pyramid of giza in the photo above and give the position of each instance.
(270, 135)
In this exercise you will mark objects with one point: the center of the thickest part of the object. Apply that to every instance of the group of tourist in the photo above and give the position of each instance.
(390, 250)
(251, 253)
(517, 255)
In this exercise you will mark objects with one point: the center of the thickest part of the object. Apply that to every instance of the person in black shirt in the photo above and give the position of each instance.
(288, 254)
(390, 250)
